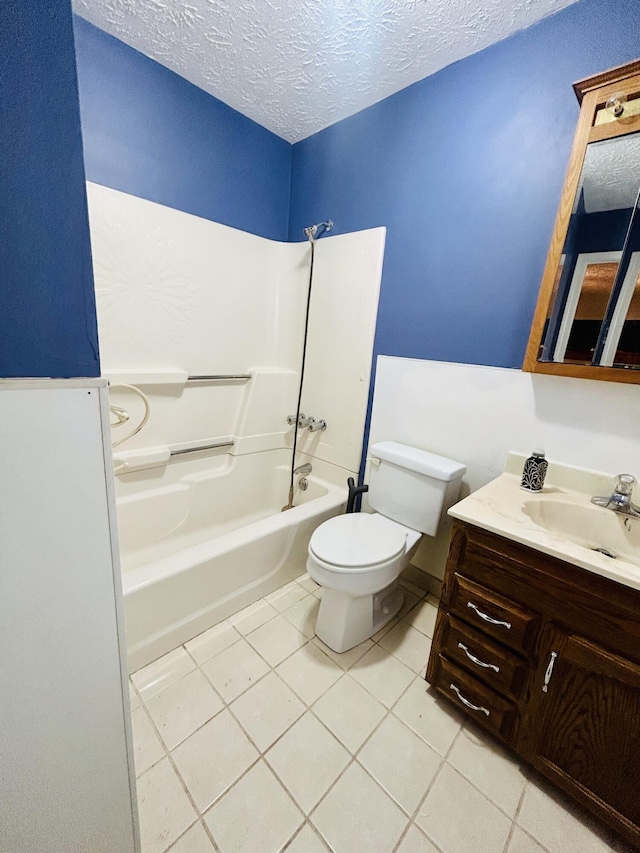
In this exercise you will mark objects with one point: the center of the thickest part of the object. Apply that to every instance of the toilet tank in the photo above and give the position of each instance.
(412, 486)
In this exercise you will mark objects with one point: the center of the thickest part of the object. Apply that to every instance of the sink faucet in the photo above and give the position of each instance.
(620, 500)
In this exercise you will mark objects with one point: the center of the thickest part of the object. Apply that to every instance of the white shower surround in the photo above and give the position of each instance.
(177, 292)
(297, 66)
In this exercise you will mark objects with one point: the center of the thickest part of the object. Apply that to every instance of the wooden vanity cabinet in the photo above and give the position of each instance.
(546, 656)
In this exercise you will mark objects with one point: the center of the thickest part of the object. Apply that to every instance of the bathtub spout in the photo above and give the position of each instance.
(303, 469)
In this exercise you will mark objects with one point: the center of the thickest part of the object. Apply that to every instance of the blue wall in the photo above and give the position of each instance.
(47, 311)
(465, 169)
(149, 132)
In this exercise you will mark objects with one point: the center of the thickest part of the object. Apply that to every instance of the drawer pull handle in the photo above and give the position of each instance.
(549, 672)
(487, 618)
(467, 703)
(476, 660)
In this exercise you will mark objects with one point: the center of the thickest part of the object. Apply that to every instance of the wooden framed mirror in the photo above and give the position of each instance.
(587, 320)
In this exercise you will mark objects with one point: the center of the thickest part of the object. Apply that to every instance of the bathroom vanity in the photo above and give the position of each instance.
(538, 639)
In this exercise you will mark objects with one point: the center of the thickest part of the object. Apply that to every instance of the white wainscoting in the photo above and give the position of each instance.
(477, 414)
(67, 766)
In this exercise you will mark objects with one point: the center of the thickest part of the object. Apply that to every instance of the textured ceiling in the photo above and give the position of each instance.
(297, 66)
(610, 174)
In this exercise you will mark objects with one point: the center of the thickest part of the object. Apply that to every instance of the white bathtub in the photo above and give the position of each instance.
(200, 540)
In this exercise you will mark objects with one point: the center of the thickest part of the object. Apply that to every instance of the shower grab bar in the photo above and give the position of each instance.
(167, 376)
(214, 377)
(198, 447)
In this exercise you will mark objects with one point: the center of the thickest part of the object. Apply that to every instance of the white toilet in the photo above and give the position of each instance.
(357, 558)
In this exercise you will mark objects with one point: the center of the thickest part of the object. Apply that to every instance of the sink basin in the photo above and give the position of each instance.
(592, 527)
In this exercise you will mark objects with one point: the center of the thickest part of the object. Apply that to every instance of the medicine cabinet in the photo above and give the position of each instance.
(587, 320)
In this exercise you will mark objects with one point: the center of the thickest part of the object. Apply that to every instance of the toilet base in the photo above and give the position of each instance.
(345, 621)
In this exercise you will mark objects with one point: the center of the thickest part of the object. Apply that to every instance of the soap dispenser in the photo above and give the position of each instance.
(534, 471)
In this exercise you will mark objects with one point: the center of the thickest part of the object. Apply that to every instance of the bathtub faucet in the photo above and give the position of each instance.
(316, 425)
(303, 469)
(302, 420)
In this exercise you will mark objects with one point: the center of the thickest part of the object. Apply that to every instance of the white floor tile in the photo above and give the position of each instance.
(147, 749)
(423, 617)
(385, 629)
(345, 660)
(435, 720)
(349, 712)
(308, 760)
(307, 841)
(235, 670)
(286, 596)
(415, 842)
(205, 646)
(213, 758)
(410, 601)
(408, 645)
(482, 760)
(252, 617)
(183, 707)
(382, 675)
(267, 710)
(412, 587)
(276, 640)
(309, 672)
(458, 818)
(249, 808)
(401, 762)
(161, 673)
(255, 816)
(308, 583)
(357, 816)
(523, 843)
(417, 577)
(195, 840)
(303, 615)
(163, 807)
(558, 825)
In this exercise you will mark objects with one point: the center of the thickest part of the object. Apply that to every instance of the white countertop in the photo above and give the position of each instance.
(504, 508)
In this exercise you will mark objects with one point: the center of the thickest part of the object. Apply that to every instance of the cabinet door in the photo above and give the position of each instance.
(587, 726)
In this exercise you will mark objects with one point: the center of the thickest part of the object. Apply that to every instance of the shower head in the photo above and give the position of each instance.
(315, 231)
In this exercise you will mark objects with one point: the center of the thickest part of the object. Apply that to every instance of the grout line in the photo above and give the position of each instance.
(180, 779)
(206, 831)
(436, 775)
(307, 708)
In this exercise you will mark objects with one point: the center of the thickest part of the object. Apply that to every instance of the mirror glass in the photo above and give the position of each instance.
(594, 313)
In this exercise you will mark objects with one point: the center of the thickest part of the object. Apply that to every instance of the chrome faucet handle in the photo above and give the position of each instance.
(303, 421)
(620, 500)
(624, 484)
(315, 425)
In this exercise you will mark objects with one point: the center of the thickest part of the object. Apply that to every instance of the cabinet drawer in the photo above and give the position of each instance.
(487, 708)
(498, 667)
(505, 620)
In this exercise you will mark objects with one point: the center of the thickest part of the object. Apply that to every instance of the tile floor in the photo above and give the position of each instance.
(256, 738)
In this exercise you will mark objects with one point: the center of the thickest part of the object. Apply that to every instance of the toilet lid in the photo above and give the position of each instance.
(357, 539)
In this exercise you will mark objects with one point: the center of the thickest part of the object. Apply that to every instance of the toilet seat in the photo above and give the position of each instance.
(357, 541)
